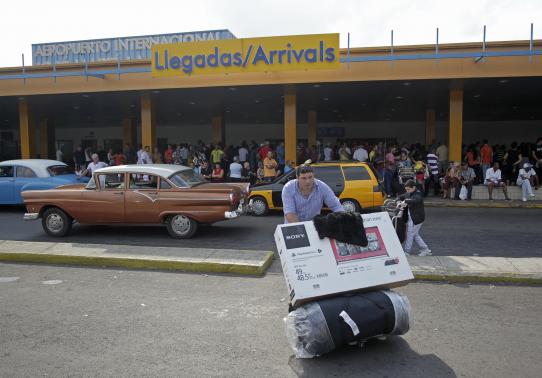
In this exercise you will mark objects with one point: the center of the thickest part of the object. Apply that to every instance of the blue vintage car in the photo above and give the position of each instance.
(31, 174)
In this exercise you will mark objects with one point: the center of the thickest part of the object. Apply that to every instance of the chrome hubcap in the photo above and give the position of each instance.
(180, 224)
(349, 206)
(258, 206)
(55, 222)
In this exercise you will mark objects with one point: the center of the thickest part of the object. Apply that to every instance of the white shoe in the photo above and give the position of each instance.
(531, 196)
(524, 199)
(407, 253)
(425, 252)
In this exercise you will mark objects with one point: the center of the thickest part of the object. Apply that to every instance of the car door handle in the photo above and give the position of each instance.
(119, 193)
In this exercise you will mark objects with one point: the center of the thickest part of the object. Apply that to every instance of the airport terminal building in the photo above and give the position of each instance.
(212, 86)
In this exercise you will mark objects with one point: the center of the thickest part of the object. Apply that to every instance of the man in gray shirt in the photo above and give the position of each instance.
(466, 177)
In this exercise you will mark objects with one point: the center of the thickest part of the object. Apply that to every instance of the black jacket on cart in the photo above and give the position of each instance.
(343, 227)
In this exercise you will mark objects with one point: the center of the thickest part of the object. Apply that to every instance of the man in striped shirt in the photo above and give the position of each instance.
(432, 165)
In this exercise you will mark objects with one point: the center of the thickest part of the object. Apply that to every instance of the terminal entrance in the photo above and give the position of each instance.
(499, 109)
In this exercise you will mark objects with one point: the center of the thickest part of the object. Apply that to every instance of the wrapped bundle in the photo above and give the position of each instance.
(327, 324)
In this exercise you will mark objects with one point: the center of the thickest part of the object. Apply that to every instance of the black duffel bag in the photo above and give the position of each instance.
(327, 324)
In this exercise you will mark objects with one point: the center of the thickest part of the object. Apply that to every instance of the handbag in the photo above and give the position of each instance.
(463, 193)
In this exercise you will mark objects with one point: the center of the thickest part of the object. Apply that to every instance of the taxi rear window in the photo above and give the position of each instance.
(356, 173)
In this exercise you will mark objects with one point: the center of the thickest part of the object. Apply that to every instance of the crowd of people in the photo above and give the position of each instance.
(429, 166)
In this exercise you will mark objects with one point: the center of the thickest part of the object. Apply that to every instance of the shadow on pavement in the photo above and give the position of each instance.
(392, 357)
(12, 209)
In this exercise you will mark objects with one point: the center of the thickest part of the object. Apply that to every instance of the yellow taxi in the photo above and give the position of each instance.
(355, 184)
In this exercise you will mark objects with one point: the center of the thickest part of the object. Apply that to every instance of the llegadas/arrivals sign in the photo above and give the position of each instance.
(298, 52)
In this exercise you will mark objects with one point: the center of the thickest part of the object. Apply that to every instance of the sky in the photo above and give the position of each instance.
(369, 22)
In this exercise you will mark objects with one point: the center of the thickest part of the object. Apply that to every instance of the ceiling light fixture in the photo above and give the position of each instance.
(503, 81)
(192, 103)
(325, 99)
(399, 97)
(406, 83)
(316, 85)
(476, 95)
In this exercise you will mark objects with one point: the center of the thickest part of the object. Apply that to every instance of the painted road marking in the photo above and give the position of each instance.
(51, 282)
(8, 279)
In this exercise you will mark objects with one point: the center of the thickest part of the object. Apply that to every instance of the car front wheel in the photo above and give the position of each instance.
(56, 222)
(259, 206)
(350, 205)
(181, 227)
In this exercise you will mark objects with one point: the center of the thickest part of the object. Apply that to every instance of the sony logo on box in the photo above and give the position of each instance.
(295, 236)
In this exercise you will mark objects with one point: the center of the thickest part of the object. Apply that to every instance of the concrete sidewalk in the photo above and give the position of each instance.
(497, 203)
(137, 257)
(479, 269)
(247, 262)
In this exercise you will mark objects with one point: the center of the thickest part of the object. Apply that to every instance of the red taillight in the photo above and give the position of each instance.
(232, 199)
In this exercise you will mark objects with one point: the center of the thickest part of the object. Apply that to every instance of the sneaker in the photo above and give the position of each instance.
(531, 196)
(524, 199)
(425, 252)
(407, 253)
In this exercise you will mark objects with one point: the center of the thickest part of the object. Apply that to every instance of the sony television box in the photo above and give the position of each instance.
(315, 267)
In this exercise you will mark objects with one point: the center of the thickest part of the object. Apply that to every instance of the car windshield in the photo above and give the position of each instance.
(186, 178)
(285, 177)
(59, 170)
(91, 184)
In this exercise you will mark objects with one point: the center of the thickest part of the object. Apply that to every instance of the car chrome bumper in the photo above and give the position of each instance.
(241, 209)
(31, 216)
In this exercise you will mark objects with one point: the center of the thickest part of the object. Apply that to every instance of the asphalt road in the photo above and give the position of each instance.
(64, 321)
(447, 231)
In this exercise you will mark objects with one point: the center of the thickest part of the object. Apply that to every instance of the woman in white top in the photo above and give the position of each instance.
(236, 170)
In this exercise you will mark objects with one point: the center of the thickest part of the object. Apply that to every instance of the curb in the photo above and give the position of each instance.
(496, 205)
(477, 278)
(133, 263)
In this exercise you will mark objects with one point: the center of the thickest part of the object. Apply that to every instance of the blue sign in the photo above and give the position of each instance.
(112, 49)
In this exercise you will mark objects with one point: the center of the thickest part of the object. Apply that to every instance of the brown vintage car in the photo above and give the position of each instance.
(138, 194)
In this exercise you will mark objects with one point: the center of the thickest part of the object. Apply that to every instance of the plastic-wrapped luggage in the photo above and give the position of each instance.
(324, 325)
